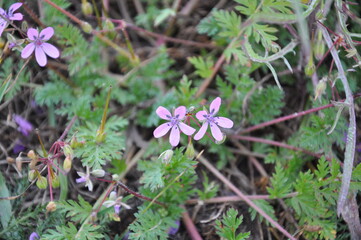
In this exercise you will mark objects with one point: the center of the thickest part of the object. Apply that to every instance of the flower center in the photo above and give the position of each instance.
(38, 42)
(174, 121)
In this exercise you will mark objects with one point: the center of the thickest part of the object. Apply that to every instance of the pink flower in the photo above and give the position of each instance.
(9, 16)
(38, 43)
(174, 123)
(212, 121)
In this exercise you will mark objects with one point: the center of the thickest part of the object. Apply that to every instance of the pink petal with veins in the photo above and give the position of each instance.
(174, 136)
(16, 16)
(161, 130)
(28, 50)
(187, 130)
(201, 131)
(224, 122)
(50, 50)
(46, 33)
(215, 104)
(216, 132)
(163, 113)
(180, 112)
(40, 56)
(33, 34)
(201, 115)
(14, 7)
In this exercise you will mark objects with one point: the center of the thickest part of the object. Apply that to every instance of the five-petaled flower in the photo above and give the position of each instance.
(9, 16)
(85, 177)
(39, 44)
(115, 202)
(212, 121)
(174, 123)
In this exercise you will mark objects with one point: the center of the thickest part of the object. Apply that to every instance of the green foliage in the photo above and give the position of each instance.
(70, 232)
(77, 211)
(227, 228)
(210, 189)
(281, 185)
(203, 67)
(266, 207)
(265, 104)
(230, 23)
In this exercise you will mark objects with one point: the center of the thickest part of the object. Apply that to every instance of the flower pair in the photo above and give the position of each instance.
(176, 125)
(8, 16)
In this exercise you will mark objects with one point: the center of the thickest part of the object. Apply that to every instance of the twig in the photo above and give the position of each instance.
(244, 197)
(191, 229)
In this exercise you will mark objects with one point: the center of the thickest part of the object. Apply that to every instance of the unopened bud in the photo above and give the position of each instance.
(10, 160)
(115, 177)
(190, 150)
(33, 163)
(98, 173)
(166, 156)
(42, 182)
(67, 164)
(32, 155)
(310, 67)
(319, 46)
(86, 8)
(86, 27)
(68, 151)
(19, 163)
(55, 181)
(108, 25)
(32, 175)
(320, 88)
(74, 143)
(51, 207)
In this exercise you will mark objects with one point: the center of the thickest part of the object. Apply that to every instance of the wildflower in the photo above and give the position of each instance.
(85, 177)
(174, 123)
(212, 121)
(115, 202)
(39, 44)
(34, 236)
(25, 127)
(9, 16)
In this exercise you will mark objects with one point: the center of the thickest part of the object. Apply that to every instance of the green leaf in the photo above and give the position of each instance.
(203, 67)
(230, 23)
(163, 15)
(77, 211)
(266, 207)
(5, 206)
(229, 225)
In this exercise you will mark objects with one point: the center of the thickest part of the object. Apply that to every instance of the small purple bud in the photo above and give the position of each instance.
(34, 236)
(25, 127)
(18, 147)
(174, 230)
(80, 180)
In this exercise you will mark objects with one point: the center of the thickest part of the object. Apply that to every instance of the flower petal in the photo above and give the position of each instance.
(174, 136)
(2, 12)
(40, 56)
(216, 132)
(33, 34)
(109, 203)
(50, 50)
(223, 122)
(201, 115)
(46, 33)
(3, 25)
(163, 113)
(187, 130)
(201, 131)
(89, 184)
(16, 16)
(14, 7)
(162, 130)
(215, 104)
(28, 50)
(180, 112)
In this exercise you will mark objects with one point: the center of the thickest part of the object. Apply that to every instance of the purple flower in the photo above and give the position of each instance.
(9, 16)
(116, 202)
(39, 44)
(174, 230)
(18, 147)
(174, 123)
(34, 236)
(25, 127)
(212, 121)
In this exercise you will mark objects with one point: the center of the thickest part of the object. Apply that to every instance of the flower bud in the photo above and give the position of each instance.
(166, 156)
(108, 25)
(67, 164)
(55, 181)
(98, 173)
(86, 8)
(190, 150)
(68, 151)
(19, 163)
(42, 182)
(319, 46)
(10, 160)
(32, 155)
(51, 207)
(31, 175)
(115, 177)
(33, 163)
(310, 67)
(86, 27)
(320, 88)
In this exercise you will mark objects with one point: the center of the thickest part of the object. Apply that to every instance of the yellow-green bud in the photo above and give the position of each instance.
(86, 8)
(55, 181)
(310, 67)
(98, 173)
(108, 25)
(86, 27)
(190, 150)
(32, 155)
(31, 175)
(115, 177)
(51, 207)
(42, 182)
(320, 88)
(68, 151)
(67, 164)
(166, 156)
